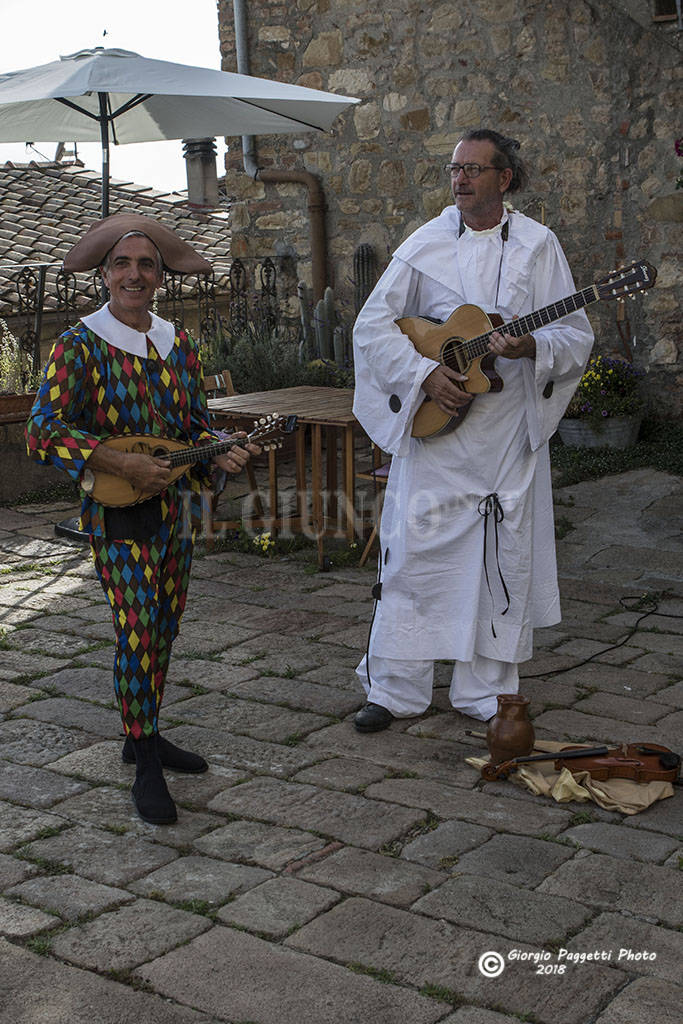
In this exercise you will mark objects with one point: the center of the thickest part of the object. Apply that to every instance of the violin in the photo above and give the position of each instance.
(642, 762)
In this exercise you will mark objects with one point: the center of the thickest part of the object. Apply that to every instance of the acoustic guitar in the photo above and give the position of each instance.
(462, 340)
(115, 492)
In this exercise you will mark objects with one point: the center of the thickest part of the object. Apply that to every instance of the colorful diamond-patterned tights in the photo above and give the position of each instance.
(146, 586)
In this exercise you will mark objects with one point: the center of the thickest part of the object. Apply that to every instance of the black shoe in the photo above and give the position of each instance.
(373, 718)
(150, 792)
(171, 757)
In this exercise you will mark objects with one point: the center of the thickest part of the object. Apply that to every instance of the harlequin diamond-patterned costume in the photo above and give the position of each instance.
(102, 379)
(123, 370)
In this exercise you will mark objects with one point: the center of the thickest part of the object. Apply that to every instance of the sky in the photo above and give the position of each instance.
(38, 32)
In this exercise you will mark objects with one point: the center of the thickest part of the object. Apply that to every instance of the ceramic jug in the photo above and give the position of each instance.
(510, 732)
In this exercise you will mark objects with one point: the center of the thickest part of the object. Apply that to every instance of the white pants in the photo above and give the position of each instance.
(405, 687)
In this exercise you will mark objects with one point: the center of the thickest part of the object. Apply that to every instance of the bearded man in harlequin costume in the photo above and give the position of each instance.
(467, 541)
(123, 370)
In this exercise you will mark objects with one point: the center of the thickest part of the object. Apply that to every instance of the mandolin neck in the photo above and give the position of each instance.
(203, 453)
(479, 346)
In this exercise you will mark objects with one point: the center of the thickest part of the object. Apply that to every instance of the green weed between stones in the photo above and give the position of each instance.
(440, 992)
(660, 447)
(378, 973)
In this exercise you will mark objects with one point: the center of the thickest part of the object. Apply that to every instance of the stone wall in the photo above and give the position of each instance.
(589, 92)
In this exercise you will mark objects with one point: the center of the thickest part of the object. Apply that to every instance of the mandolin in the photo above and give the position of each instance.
(462, 340)
(115, 492)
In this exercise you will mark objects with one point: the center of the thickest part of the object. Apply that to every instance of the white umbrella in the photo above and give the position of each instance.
(95, 95)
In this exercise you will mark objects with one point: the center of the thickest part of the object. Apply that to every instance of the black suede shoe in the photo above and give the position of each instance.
(172, 757)
(373, 718)
(150, 793)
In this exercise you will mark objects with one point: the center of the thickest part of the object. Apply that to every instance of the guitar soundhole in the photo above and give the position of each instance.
(160, 453)
(451, 355)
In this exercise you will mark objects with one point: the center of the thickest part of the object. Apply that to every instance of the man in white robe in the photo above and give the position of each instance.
(467, 550)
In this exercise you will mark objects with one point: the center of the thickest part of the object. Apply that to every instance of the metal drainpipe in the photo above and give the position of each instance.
(316, 196)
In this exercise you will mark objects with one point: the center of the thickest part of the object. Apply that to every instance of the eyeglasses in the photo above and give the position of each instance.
(470, 170)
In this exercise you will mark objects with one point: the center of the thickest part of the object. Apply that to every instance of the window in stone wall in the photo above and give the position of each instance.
(665, 10)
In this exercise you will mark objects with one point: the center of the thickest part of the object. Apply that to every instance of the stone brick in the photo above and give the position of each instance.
(38, 743)
(70, 896)
(350, 774)
(13, 871)
(516, 859)
(442, 846)
(353, 819)
(19, 825)
(252, 842)
(277, 985)
(363, 873)
(643, 1001)
(629, 940)
(605, 838)
(448, 802)
(74, 714)
(325, 50)
(20, 922)
(278, 906)
(26, 978)
(418, 951)
(102, 856)
(200, 879)
(613, 883)
(35, 786)
(490, 905)
(124, 938)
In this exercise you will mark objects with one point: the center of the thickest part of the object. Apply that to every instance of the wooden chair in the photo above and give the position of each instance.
(215, 385)
(378, 473)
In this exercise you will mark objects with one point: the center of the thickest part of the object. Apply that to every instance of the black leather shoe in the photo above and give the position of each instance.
(373, 718)
(171, 757)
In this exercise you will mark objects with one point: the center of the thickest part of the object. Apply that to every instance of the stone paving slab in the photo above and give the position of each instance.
(260, 721)
(344, 816)
(520, 860)
(363, 873)
(298, 694)
(13, 870)
(253, 842)
(77, 996)
(628, 709)
(605, 838)
(201, 879)
(623, 680)
(70, 896)
(637, 947)
(489, 905)
(574, 726)
(61, 645)
(347, 773)
(35, 787)
(13, 695)
(612, 883)
(124, 938)
(644, 1001)
(113, 809)
(242, 752)
(24, 665)
(87, 683)
(20, 922)
(664, 816)
(210, 675)
(18, 825)
(477, 807)
(196, 975)
(277, 907)
(101, 856)
(419, 951)
(441, 847)
(93, 719)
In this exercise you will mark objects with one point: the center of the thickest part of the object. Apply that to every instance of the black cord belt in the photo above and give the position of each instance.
(491, 506)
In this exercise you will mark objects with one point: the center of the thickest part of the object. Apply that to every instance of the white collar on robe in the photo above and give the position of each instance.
(495, 230)
(104, 324)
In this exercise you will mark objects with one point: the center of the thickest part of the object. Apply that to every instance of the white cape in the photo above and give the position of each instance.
(435, 596)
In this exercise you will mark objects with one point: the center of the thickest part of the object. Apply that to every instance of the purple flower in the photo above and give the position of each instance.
(605, 413)
(678, 144)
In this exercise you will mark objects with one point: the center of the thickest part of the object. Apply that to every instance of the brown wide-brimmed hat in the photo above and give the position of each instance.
(104, 234)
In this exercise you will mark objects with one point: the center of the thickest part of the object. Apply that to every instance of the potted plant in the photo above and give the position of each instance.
(17, 378)
(607, 407)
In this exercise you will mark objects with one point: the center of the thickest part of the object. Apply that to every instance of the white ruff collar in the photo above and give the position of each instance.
(104, 324)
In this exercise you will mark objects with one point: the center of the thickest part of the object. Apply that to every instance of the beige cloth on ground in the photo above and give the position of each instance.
(541, 778)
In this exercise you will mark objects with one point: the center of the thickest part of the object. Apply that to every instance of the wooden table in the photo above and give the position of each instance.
(317, 409)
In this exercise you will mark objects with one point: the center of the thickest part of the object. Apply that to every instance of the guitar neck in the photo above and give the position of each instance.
(532, 321)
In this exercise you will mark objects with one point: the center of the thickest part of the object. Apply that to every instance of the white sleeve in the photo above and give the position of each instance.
(389, 369)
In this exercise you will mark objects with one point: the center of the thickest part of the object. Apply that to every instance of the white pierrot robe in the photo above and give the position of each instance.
(435, 600)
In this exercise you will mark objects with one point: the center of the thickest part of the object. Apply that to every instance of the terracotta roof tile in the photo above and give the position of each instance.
(46, 208)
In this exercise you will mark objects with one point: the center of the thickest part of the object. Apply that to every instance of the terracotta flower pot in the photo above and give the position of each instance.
(510, 732)
(14, 408)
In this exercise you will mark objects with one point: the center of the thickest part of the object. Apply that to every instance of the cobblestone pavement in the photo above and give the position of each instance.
(316, 874)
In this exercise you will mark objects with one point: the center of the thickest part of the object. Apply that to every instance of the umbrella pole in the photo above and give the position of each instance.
(104, 133)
